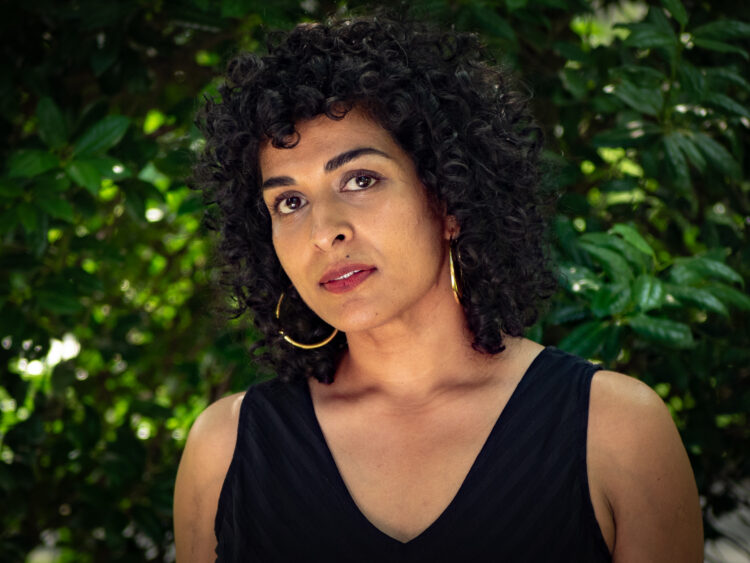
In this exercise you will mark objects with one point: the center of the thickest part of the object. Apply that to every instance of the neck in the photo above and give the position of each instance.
(414, 359)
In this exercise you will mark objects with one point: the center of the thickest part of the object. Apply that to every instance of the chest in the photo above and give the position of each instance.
(405, 473)
(402, 472)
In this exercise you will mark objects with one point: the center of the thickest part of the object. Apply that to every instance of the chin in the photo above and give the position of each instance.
(357, 319)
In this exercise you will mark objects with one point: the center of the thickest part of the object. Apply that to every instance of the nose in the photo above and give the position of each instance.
(330, 226)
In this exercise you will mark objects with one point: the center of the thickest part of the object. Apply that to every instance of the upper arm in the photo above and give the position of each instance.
(645, 473)
(203, 467)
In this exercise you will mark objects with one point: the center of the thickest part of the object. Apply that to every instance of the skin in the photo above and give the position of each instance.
(412, 403)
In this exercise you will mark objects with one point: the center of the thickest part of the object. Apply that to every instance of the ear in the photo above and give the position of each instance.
(451, 228)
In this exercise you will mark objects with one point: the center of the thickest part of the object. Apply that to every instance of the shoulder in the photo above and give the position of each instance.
(203, 467)
(639, 461)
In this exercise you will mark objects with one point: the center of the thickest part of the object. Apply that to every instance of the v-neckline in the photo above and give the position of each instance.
(496, 428)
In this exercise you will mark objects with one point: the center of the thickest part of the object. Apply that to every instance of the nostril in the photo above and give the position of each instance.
(340, 236)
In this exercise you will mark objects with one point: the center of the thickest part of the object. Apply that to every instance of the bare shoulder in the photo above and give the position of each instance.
(639, 461)
(203, 467)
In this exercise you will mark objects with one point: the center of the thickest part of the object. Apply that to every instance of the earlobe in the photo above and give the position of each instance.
(451, 227)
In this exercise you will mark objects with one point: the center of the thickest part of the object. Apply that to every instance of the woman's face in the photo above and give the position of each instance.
(352, 226)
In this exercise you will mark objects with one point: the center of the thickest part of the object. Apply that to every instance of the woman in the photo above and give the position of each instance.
(380, 218)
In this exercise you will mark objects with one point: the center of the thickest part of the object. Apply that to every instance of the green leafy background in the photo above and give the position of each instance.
(109, 344)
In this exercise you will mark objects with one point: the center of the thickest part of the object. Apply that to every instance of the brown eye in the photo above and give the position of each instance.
(289, 204)
(361, 182)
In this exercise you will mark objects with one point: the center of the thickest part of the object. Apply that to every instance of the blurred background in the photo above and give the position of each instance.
(110, 343)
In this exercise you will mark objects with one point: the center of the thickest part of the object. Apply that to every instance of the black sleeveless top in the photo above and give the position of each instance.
(525, 499)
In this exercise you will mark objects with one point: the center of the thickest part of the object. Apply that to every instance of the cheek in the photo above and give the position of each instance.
(283, 248)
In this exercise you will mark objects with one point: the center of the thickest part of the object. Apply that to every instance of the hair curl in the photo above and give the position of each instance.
(469, 133)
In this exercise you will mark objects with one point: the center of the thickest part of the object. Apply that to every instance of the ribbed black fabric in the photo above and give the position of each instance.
(525, 499)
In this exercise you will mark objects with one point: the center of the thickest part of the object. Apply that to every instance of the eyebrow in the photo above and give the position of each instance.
(336, 162)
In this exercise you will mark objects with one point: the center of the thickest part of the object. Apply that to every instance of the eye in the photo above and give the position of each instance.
(361, 180)
(288, 203)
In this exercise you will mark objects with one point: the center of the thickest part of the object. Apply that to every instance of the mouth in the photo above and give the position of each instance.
(346, 278)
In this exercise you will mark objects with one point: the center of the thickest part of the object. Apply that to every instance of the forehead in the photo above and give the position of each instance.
(321, 138)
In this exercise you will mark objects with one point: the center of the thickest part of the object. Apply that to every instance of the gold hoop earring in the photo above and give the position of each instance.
(454, 279)
(299, 344)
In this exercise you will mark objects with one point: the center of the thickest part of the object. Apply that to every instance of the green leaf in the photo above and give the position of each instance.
(102, 59)
(492, 22)
(635, 258)
(718, 156)
(664, 331)
(515, 4)
(585, 339)
(190, 204)
(730, 295)
(52, 127)
(10, 189)
(57, 207)
(101, 136)
(689, 148)
(610, 300)
(719, 47)
(692, 81)
(621, 137)
(645, 100)
(724, 74)
(678, 163)
(614, 265)
(726, 103)
(677, 11)
(27, 163)
(85, 174)
(633, 237)
(686, 271)
(176, 164)
(58, 302)
(724, 29)
(28, 216)
(699, 297)
(647, 36)
(566, 313)
(648, 292)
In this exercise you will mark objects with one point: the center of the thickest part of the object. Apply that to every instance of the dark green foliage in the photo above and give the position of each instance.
(109, 346)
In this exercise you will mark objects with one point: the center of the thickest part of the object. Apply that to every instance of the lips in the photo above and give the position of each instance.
(342, 272)
(346, 277)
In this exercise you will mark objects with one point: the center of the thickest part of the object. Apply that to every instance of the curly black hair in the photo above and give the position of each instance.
(469, 132)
